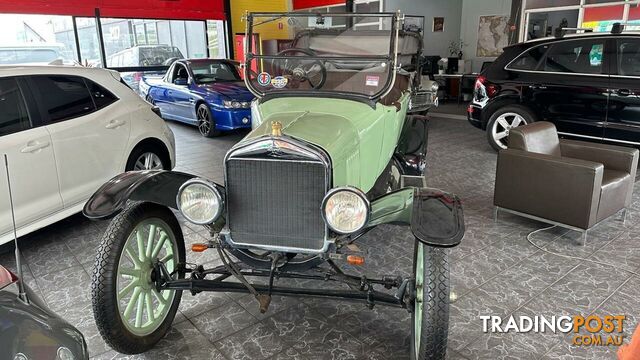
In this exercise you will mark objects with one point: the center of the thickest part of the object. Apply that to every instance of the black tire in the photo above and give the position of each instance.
(150, 100)
(104, 279)
(206, 123)
(139, 151)
(435, 305)
(526, 114)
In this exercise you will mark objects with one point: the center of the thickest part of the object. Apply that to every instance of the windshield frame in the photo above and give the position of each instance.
(232, 68)
(391, 58)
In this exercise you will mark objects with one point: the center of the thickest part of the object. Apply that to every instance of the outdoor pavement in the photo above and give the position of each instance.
(495, 271)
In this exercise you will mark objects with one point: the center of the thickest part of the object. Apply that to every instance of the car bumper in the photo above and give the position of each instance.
(227, 119)
(474, 115)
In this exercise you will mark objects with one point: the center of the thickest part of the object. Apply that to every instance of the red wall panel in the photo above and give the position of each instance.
(603, 13)
(138, 9)
(305, 4)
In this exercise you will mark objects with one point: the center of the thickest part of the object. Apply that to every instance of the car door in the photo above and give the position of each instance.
(162, 94)
(623, 122)
(572, 89)
(29, 150)
(183, 100)
(89, 132)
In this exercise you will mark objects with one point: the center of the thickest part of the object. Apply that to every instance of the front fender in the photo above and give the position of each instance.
(435, 217)
(156, 186)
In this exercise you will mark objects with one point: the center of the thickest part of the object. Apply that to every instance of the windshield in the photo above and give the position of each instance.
(207, 72)
(350, 54)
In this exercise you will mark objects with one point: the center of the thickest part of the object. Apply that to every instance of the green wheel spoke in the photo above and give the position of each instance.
(160, 298)
(134, 259)
(140, 246)
(152, 236)
(158, 247)
(150, 314)
(140, 308)
(130, 272)
(167, 258)
(132, 302)
(127, 289)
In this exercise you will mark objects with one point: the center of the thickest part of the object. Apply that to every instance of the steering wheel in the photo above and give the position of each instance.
(300, 70)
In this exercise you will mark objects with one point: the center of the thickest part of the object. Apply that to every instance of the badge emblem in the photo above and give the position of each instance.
(279, 82)
(264, 79)
(276, 128)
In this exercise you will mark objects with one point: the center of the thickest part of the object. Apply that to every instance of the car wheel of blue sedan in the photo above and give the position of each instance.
(206, 124)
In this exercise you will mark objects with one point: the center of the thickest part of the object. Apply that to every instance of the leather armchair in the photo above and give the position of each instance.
(572, 183)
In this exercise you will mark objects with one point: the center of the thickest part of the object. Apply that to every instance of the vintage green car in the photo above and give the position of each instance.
(339, 136)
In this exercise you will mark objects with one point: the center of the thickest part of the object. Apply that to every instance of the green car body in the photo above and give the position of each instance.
(359, 139)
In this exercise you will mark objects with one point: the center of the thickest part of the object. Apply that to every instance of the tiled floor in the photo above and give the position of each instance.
(494, 272)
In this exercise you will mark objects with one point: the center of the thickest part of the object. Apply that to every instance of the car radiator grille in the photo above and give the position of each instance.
(276, 203)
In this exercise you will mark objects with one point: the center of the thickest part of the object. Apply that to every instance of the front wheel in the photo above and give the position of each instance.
(430, 315)
(131, 315)
(206, 123)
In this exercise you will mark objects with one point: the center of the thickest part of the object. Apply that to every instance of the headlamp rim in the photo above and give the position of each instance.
(208, 184)
(353, 190)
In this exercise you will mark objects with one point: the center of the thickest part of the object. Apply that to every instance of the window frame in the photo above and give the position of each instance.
(44, 114)
(615, 66)
(606, 57)
(33, 114)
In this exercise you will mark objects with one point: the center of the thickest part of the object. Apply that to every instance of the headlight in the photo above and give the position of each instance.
(346, 210)
(232, 104)
(435, 87)
(199, 201)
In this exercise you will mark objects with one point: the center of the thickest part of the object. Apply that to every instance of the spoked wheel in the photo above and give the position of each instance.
(430, 315)
(148, 161)
(130, 313)
(206, 124)
(501, 123)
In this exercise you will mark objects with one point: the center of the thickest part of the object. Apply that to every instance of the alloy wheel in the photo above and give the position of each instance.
(142, 308)
(148, 161)
(503, 124)
(204, 121)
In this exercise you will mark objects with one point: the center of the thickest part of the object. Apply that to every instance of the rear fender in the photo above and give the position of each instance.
(435, 217)
(155, 186)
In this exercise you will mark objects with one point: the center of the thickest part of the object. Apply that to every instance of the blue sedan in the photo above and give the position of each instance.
(204, 92)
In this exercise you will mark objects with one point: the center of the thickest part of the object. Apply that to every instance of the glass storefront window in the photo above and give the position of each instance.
(545, 24)
(539, 4)
(602, 18)
(33, 39)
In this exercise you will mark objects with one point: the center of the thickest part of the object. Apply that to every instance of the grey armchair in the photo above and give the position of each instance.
(571, 183)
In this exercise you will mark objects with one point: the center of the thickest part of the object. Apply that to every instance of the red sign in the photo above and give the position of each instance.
(139, 9)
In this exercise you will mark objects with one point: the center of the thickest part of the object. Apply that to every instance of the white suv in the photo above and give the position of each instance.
(66, 131)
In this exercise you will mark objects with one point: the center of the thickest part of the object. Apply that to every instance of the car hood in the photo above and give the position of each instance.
(352, 133)
(230, 90)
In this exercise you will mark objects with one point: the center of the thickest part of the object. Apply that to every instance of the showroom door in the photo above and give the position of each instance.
(573, 87)
(623, 122)
(89, 133)
(32, 170)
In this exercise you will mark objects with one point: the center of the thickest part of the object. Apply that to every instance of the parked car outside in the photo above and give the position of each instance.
(204, 92)
(588, 85)
(31, 54)
(141, 56)
(30, 330)
(338, 148)
(66, 130)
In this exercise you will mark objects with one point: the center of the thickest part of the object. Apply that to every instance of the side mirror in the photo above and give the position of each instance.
(181, 82)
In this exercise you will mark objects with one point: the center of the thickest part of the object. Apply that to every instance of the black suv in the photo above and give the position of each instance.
(588, 85)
